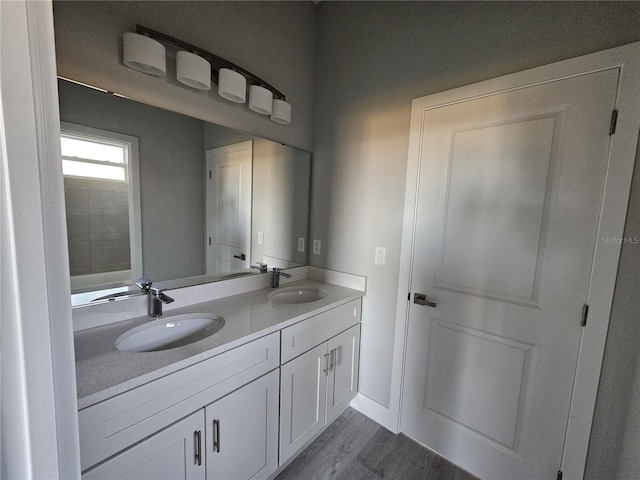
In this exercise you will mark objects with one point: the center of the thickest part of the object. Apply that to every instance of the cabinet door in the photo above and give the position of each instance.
(242, 432)
(344, 357)
(302, 400)
(173, 454)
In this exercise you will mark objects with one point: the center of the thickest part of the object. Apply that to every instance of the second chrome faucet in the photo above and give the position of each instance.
(156, 296)
(277, 273)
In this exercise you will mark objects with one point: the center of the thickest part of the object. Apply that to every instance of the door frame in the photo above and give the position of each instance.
(39, 397)
(612, 221)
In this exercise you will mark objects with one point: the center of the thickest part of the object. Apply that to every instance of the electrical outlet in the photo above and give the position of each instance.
(260, 238)
(380, 255)
(301, 244)
(317, 247)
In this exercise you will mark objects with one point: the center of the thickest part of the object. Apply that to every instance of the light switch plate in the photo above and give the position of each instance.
(260, 238)
(301, 244)
(381, 253)
(317, 247)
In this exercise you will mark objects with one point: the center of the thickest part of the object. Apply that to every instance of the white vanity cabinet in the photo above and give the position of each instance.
(233, 416)
(317, 386)
(234, 438)
(246, 375)
(342, 380)
(242, 432)
(174, 453)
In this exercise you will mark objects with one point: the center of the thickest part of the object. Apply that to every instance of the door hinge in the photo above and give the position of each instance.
(559, 477)
(614, 122)
(209, 174)
(585, 314)
(209, 240)
(409, 297)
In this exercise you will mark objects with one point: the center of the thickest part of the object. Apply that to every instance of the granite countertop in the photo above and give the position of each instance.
(102, 371)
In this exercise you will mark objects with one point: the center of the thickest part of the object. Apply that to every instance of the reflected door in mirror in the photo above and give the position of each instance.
(229, 207)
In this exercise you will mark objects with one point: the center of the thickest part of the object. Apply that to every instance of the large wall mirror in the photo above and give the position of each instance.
(179, 200)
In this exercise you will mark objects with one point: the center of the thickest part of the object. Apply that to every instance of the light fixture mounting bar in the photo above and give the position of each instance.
(216, 62)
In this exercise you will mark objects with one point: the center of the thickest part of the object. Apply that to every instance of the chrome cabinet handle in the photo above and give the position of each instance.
(421, 299)
(198, 438)
(326, 364)
(216, 436)
(332, 359)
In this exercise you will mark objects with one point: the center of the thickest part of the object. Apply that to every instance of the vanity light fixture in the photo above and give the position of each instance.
(260, 99)
(144, 54)
(145, 51)
(281, 112)
(193, 70)
(232, 85)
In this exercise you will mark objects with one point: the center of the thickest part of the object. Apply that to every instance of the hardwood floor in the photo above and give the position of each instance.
(356, 448)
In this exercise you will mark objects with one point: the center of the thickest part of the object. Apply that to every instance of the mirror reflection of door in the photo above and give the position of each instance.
(228, 237)
(102, 204)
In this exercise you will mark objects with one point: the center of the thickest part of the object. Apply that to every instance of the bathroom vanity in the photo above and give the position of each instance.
(239, 404)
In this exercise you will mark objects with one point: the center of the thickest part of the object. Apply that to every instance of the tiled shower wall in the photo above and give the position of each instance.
(97, 225)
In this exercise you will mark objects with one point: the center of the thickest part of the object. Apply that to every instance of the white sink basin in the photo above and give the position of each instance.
(293, 295)
(170, 332)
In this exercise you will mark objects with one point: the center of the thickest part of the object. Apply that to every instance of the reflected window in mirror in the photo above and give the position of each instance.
(102, 204)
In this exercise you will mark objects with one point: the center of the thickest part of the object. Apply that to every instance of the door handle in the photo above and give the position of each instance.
(421, 299)
(242, 256)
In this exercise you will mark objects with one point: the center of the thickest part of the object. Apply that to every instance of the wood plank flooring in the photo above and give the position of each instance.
(354, 447)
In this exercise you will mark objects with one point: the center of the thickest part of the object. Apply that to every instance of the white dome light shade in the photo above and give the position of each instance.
(232, 85)
(144, 54)
(193, 70)
(260, 99)
(281, 112)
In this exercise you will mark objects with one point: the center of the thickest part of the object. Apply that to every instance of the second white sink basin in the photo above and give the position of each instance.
(170, 332)
(294, 295)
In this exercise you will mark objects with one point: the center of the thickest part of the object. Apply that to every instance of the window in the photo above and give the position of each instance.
(92, 157)
(102, 197)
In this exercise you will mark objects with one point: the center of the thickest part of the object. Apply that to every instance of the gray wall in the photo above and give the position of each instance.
(280, 202)
(274, 40)
(171, 162)
(614, 451)
(372, 59)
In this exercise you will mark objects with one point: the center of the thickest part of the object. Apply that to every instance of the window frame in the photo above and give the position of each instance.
(132, 175)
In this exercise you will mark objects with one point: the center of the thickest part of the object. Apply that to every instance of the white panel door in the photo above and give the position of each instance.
(342, 385)
(303, 396)
(509, 198)
(173, 454)
(242, 432)
(229, 207)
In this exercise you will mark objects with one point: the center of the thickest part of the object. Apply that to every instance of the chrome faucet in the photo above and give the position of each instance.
(277, 273)
(144, 284)
(260, 266)
(156, 296)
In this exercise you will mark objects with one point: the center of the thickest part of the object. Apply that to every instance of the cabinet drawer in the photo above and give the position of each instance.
(305, 335)
(110, 426)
